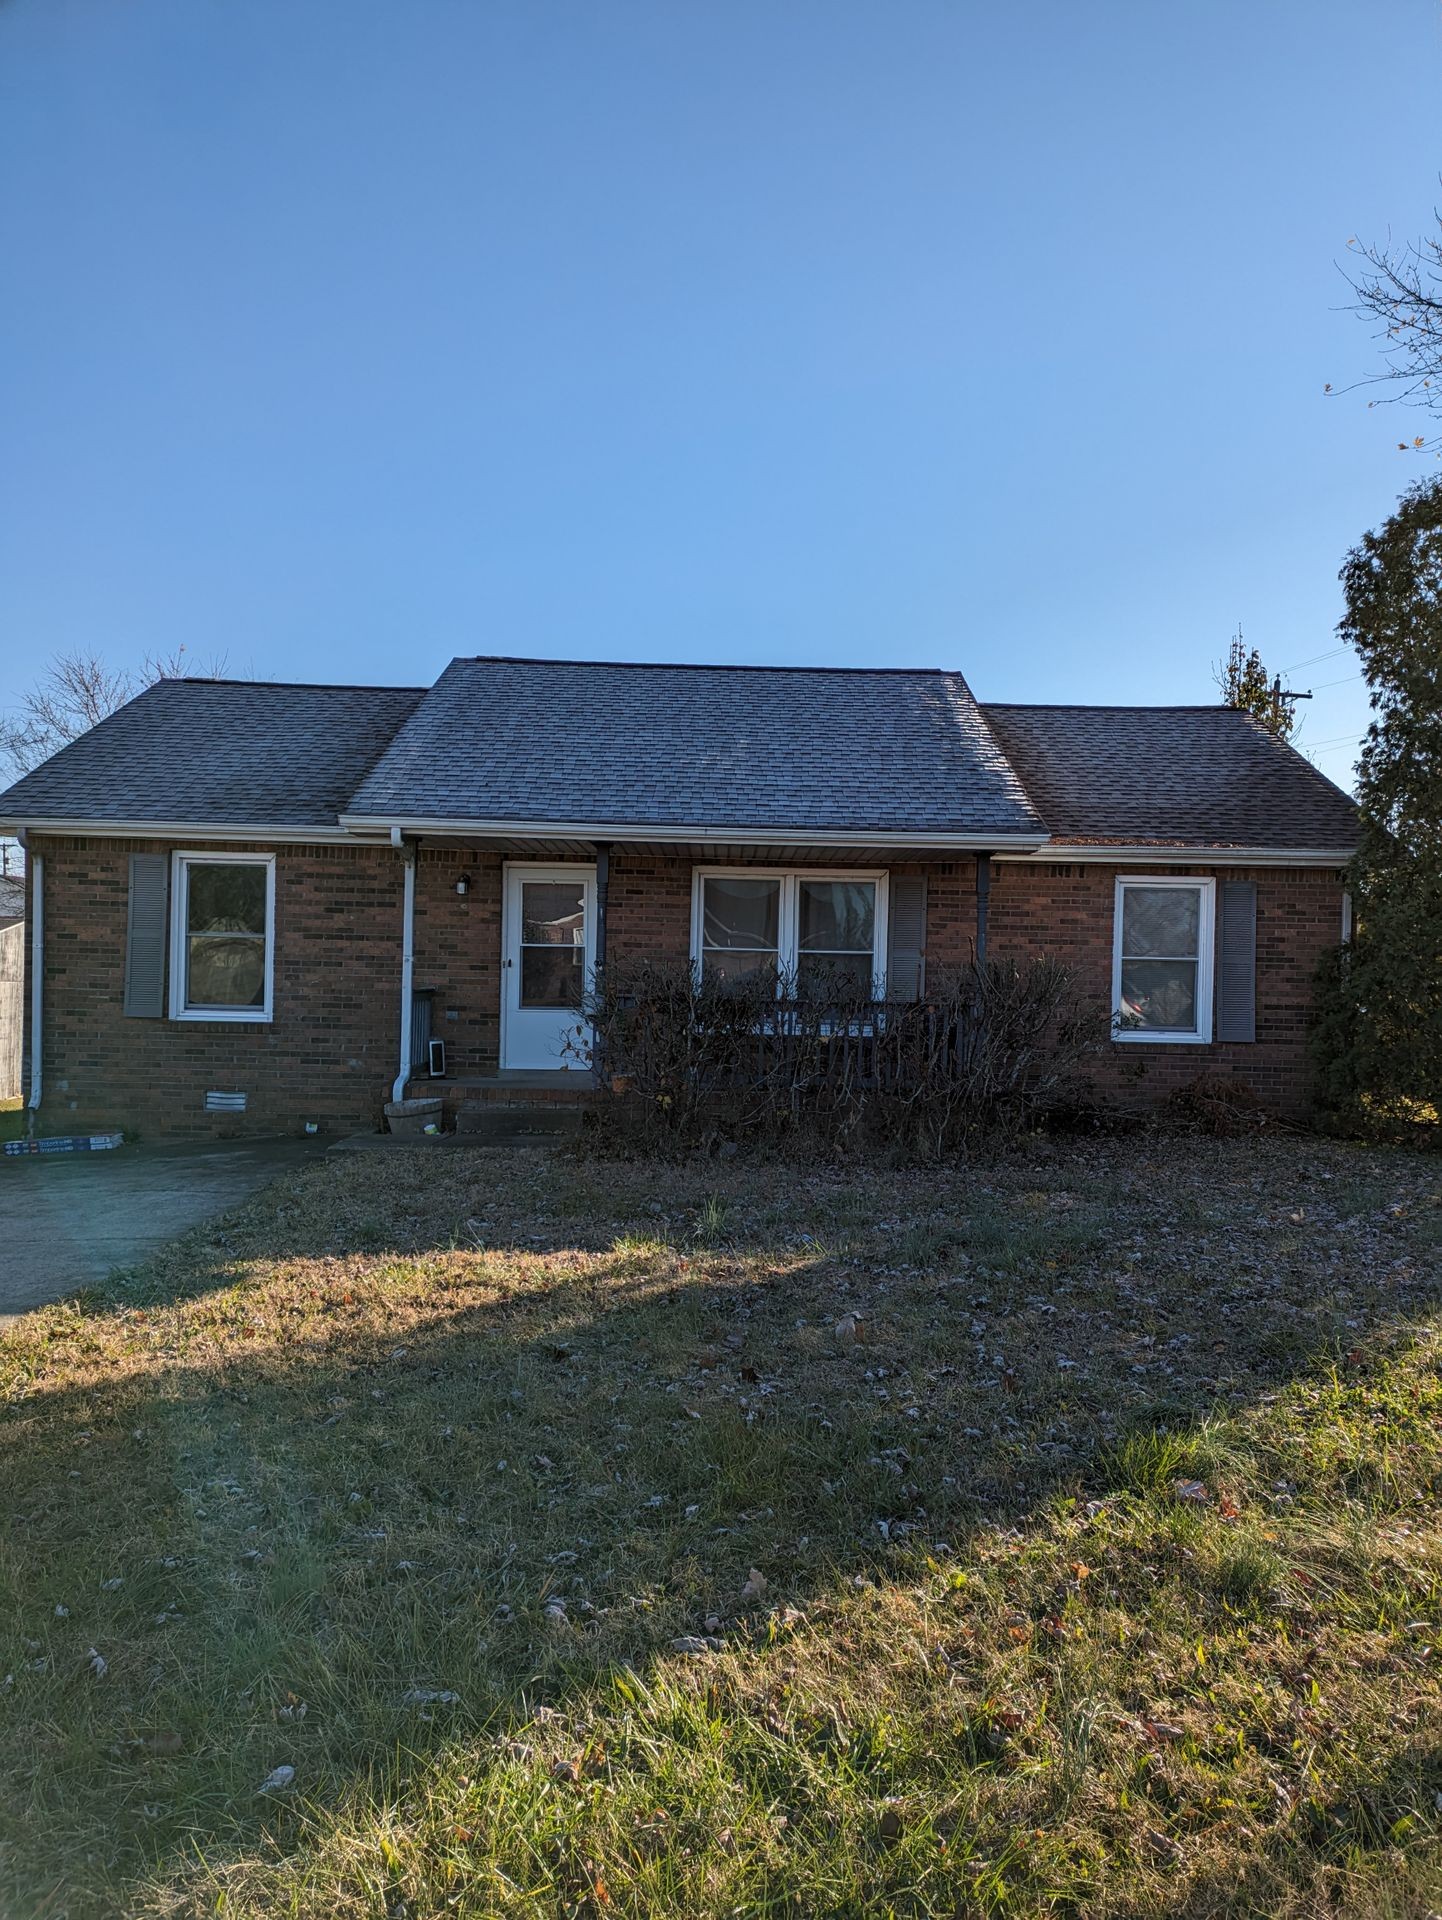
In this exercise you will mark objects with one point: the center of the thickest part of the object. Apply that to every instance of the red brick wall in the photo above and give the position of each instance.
(648, 916)
(1067, 912)
(329, 1054)
(458, 954)
(331, 1051)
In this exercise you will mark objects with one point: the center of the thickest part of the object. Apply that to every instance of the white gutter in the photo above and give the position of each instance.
(1173, 856)
(185, 830)
(37, 978)
(408, 965)
(706, 836)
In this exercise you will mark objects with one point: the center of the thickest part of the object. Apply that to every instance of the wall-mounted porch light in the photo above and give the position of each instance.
(463, 885)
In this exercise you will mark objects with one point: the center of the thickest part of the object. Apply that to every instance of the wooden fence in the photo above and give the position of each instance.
(12, 1007)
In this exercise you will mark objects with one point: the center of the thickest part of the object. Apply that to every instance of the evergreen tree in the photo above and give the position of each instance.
(1382, 1019)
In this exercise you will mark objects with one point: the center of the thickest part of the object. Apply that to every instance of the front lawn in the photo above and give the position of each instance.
(471, 1534)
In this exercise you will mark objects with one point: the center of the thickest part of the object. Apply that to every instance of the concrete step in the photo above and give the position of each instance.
(507, 1125)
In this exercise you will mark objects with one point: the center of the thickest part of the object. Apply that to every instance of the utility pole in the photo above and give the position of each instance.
(1278, 697)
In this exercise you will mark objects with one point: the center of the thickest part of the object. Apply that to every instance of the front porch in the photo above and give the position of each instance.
(505, 932)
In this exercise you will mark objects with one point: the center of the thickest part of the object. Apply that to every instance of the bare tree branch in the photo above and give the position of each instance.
(74, 693)
(1398, 291)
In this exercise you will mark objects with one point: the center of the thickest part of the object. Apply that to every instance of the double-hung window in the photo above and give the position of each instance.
(817, 931)
(1162, 960)
(222, 939)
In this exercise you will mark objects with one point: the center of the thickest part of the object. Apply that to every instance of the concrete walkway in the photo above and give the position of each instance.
(66, 1221)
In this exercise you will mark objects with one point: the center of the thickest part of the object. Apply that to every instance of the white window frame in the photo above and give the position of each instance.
(1206, 948)
(789, 915)
(181, 862)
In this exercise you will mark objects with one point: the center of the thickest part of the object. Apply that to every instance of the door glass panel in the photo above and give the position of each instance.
(552, 976)
(553, 943)
(553, 913)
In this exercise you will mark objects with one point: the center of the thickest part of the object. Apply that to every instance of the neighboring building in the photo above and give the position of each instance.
(12, 982)
(256, 891)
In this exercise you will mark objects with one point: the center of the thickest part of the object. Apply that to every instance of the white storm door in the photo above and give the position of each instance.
(548, 938)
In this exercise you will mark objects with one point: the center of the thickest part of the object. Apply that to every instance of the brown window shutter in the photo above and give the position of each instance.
(145, 936)
(1237, 961)
(906, 939)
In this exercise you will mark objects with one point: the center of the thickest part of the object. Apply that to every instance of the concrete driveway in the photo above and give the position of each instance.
(66, 1221)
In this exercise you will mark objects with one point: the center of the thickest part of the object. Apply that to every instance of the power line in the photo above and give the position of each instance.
(1338, 683)
(1298, 664)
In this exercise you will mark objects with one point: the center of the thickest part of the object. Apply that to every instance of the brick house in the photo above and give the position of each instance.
(251, 906)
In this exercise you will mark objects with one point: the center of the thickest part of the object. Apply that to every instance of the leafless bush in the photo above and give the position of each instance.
(1217, 1105)
(821, 1067)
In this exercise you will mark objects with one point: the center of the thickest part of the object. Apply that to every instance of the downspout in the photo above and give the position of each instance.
(598, 967)
(408, 958)
(37, 986)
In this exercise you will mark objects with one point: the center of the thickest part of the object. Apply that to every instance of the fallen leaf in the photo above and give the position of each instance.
(1162, 1730)
(755, 1587)
(278, 1780)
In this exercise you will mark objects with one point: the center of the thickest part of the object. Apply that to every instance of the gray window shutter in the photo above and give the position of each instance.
(1237, 961)
(906, 939)
(145, 936)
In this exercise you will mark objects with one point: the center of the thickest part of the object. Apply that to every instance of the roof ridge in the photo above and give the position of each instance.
(284, 686)
(1114, 706)
(695, 666)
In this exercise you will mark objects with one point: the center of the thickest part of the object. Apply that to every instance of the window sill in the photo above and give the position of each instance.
(222, 1016)
(1156, 1038)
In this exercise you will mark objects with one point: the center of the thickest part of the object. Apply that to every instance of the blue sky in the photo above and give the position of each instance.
(341, 337)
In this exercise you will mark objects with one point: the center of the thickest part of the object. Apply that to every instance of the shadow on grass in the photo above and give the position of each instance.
(513, 1456)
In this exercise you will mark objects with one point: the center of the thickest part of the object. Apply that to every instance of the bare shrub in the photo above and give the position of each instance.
(1216, 1104)
(770, 1062)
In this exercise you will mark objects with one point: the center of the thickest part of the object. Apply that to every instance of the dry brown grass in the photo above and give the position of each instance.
(1094, 1495)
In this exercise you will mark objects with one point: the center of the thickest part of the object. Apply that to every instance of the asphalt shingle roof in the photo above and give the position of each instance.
(809, 749)
(222, 752)
(793, 749)
(1200, 776)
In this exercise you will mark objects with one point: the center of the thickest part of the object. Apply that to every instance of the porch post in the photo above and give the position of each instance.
(983, 902)
(603, 887)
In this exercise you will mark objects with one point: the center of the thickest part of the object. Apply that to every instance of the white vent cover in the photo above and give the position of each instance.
(225, 1103)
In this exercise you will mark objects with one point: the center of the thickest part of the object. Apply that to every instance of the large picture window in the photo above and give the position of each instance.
(1162, 960)
(222, 945)
(817, 930)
